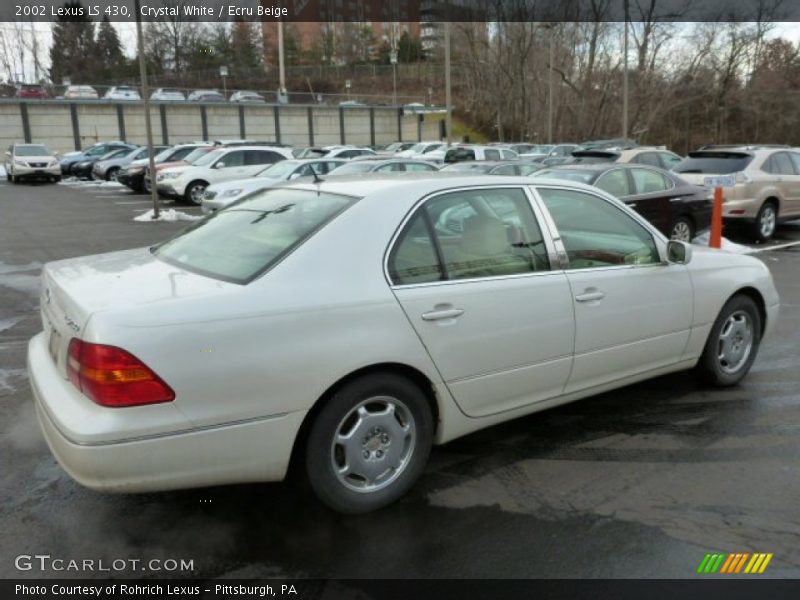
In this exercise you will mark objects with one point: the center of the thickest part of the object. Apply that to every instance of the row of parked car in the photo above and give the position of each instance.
(127, 92)
(664, 187)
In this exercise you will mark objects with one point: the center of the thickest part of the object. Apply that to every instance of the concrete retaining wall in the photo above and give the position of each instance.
(67, 126)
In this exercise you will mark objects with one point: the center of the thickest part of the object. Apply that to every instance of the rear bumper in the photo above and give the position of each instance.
(247, 451)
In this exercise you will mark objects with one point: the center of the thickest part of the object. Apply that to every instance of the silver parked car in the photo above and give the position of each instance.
(356, 322)
(108, 169)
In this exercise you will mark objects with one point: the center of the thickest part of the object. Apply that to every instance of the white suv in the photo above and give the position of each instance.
(225, 164)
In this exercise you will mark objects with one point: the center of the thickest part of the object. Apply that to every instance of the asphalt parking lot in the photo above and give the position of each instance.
(639, 482)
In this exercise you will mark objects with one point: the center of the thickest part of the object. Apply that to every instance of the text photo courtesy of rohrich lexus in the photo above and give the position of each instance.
(317, 296)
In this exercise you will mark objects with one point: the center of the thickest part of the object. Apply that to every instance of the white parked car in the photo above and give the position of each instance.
(122, 92)
(220, 195)
(420, 150)
(80, 92)
(476, 152)
(245, 97)
(189, 182)
(354, 323)
(31, 161)
(167, 95)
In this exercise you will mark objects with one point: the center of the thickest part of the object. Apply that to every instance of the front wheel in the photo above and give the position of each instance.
(194, 192)
(766, 222)
(369, 443)
(733, 343)
(112, 175)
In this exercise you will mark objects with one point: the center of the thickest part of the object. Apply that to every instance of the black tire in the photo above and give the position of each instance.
(766, 222)
(711, 367)
(57, 179)
(682, 229)
(194, 192)
(321, 454)
(111, 174)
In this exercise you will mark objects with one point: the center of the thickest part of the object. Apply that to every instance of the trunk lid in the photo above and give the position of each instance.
(75, 289)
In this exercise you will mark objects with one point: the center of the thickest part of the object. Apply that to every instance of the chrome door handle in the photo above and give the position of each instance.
(632, 204)
(590, 296)
(447, 313)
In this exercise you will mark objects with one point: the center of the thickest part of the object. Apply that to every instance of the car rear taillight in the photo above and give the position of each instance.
(111, 376)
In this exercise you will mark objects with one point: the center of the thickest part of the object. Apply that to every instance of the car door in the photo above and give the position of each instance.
(633, 311)
(229, 167)
(471, 269)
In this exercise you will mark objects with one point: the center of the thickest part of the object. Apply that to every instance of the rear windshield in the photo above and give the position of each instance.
(713, 162)
(244, 240)
(456, 154)
(567, 174)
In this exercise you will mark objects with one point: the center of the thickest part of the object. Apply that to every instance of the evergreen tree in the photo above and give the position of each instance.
(108, 51)
(246, 52)
(72, 53)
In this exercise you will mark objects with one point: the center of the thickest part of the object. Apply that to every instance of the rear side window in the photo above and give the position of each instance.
(779, 164)
(243, 241)
(504, 170)
(419, 167)
(669, 160)
(261, 157)
(649, 182)
(615, 183)
(718, 163)
(491, 154)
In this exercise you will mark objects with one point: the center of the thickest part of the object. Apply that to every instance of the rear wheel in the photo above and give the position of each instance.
(733, 343)
(682, 230)
(369, 443)
(194, 192)
(766, 222)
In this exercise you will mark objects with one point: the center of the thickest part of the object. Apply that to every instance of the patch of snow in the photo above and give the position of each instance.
(170, 215)
(727, 245)
(2, 171)
(75, 182)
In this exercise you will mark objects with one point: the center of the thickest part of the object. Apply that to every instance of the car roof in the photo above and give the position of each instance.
(421, 183)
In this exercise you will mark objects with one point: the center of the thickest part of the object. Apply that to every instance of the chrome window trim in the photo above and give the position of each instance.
(537, 213)
(659, 239)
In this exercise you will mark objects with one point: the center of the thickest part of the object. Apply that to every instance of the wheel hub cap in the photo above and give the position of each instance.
(735, 342)
(373, 444)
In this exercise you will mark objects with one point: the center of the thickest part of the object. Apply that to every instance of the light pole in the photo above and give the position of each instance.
(147, 124)
(625, 78)
(281, 67)
(447, 100)
(223, 72)
(550, 92)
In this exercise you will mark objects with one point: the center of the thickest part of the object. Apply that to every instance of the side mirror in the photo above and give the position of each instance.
(679, 253)
(219, 165)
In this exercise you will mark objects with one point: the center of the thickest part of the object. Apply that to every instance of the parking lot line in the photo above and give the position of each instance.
(776, 247)
(131, 202)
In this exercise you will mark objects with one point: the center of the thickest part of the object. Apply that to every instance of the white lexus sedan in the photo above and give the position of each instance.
(349, 325)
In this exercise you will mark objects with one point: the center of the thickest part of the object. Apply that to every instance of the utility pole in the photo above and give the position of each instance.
(281, 66)
(625, 78)
(447, 99)
(550, 91)
(146, 97)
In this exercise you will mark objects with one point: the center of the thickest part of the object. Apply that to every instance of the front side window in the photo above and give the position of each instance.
(597, 234)
(504, 170)
(419, 167)
(474, 234)
(243, 241)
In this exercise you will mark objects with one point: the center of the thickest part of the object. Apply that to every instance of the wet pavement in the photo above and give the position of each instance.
(639, 482)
